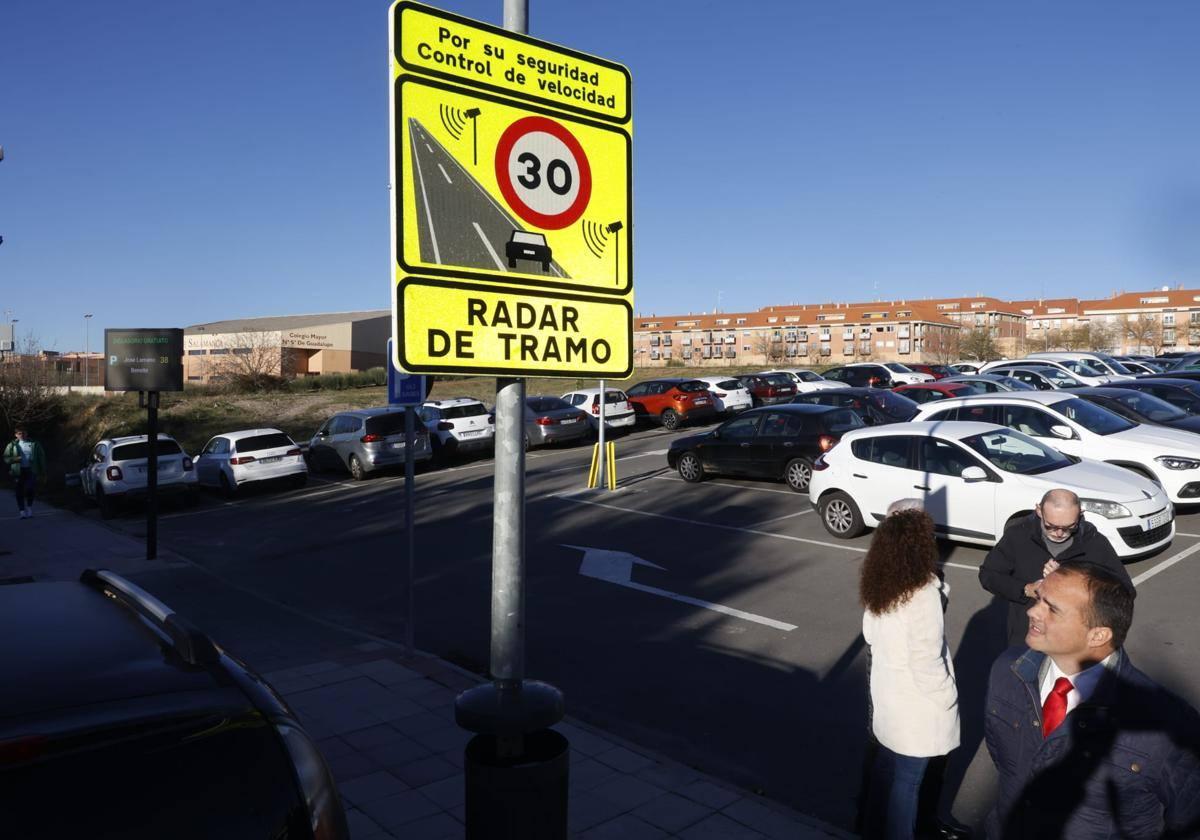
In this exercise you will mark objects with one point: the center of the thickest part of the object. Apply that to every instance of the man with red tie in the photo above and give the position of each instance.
(1085, 744)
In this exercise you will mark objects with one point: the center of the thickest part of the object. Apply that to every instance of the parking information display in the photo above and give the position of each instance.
(143, 360)
(512, 202)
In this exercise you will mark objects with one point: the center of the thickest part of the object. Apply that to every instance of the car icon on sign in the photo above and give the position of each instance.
(523, 245)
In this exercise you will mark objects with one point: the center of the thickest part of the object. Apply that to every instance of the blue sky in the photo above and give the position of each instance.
(170, 163)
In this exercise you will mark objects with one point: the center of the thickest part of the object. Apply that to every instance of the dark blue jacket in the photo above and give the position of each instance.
(1124, 764)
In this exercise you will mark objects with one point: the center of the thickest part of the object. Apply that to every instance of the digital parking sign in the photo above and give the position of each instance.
(143, 360)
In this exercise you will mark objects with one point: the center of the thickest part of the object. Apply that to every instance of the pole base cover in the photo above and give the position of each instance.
(523, 798)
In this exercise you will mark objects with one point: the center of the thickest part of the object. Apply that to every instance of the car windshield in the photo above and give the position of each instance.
(1015, 384)
(898, 368)
(841, 421)
(1059, 377)
(693, 386)
(452, 412)
(132, 451)
(540, 404)
(523, 238)
(611, 397)
(894, 405)
(391, 423)
(730, 385)
(1092, 417)
(1151, 407)
(1115, 366)
(1014, 452)
(807, 376)
(1080, 368)
(778, 379)
(274, 440)
(963, 389)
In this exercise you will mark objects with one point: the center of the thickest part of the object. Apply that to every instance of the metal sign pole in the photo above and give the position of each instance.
(410, 526)
(151, 475)
(508, 539)
(602, 476)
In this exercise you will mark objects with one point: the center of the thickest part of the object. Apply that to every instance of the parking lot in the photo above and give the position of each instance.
(717, 622)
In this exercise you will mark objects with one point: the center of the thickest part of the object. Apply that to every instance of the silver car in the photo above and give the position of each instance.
(365, 441)
(553, 420)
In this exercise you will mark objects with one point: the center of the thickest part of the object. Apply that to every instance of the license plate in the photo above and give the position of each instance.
(567, 420)
(271, 460)
(472, 434)
(398, 445)
(702, 402)
(1157, 520)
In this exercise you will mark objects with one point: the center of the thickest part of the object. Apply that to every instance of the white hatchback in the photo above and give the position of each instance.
(807, 381)
(975, 480)
(1085, 373)
(618, 413)
(901, 374)
(1168, 457)
(118, 471)
(730, 396)
(458, 425)
(230, 460)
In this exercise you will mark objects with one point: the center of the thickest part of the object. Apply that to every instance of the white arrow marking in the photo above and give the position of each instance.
(617, 567)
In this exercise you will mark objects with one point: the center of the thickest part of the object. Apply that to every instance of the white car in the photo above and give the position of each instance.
(458, 425)
(730, 396)
(1081, 371)
(117, 471)
(901, 374)
(1038, 376)
(1106, 364)
(618, 413)
(807, 381)
(1168, 457)
(967, 367)
(975, 480)
(230, 460)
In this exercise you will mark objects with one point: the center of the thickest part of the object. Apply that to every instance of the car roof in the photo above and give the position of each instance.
(591, 392)
(957, 429)
(117, 441)
(1178, 382)
(795, 408)
(81, 648)
(247, 433)
(373, 412)
(452, 402)
(673, 380)
(1102, 391)
(1043, 397)
(716, 378)
(932, 386)
(851, 390)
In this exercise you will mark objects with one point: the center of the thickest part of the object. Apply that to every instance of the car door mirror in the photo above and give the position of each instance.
(974, 474)
(1061, 431)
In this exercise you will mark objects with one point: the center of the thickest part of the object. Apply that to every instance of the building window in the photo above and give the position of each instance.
(195, 352)
(1168, 319)
(1150, 300)
(218, 351)
(904, 346)
(826, 350)
(195, 378)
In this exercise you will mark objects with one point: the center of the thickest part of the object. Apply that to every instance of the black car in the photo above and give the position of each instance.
(118, 718)
(862, 376)
(875, 407)
(1183, 394)
(1178, 360)
(1191, 374)
(779, 441)
(990, 383)
(1141, 406)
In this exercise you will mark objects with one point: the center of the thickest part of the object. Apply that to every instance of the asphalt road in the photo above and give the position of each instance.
(735, 692)
(458, 222)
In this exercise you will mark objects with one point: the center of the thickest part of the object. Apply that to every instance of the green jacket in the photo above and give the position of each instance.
(12, 457)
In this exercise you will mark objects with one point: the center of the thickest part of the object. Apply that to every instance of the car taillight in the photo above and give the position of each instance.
(371, 438)
(596, 408)
(187, 464)
(443, 426)
(295, 451)
(683, 397)
(719, 395)
(113, 473)
(243, 459)
(545, 421)
(820, 463)
(826, 442)
(325, 815)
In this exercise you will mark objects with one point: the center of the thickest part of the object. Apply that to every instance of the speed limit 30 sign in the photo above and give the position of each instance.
(511, 168)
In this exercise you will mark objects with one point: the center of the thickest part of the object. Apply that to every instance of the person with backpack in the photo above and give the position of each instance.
(27, 463)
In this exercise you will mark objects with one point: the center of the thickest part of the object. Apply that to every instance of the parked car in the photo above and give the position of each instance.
(779, 442)
(618, 413)
(1141, 368)
(1080, 428)
(553, 420)
(671, 402)
(1102, 362)
(1178, 360)
(1084, 373)
(769, 388)
(933, 391)
(990, 383)
(872, 405)
(364, 441)
(1041, 377)
(458, 426)
(148, 727)
(117, 470)
(1182, 393)
(807, 381)
(976, 479)
(901, 374)
(1138, 406)
(730, 395)
(966, 367)
(230, 460)
(936, 371)
(862, 376)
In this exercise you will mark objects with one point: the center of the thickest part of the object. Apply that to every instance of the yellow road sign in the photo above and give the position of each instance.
(448, 326)
(511, 165)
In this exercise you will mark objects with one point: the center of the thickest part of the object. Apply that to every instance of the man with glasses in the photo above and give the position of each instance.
(1054, 534)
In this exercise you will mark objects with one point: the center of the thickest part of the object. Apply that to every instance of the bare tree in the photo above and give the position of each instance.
(978, 344)
(1101, 336)
(1142, 334)
(251, 360)
(770, 347)
(25, 393)
(943, 346)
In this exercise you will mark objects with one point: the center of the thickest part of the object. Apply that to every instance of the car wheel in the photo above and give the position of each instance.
(313, 465)
(798, 474)
(669, 420)
(227, 490)
(107, 508)
(840, 515)
(356, 469)
(690, 468)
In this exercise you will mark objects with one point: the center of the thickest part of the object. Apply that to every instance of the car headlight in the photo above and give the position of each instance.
(1109, 510)
(1178, 462)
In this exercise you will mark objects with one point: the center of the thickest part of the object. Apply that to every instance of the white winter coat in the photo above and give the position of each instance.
(912, 677)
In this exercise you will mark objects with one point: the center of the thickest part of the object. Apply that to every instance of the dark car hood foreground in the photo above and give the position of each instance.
(689, 441)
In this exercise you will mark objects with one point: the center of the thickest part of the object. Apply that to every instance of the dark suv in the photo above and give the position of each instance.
(861, 376)
(120, 719)
(874, 406)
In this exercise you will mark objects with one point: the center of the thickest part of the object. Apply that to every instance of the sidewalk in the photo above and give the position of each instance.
(385, 723)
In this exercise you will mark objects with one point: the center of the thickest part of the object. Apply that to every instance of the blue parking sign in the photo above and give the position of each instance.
(403, 388)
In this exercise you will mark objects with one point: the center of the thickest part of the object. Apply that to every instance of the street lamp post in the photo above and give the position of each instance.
(87, 323)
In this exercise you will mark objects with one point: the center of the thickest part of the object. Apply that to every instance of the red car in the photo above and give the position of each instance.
(769, 388)
(671, 401)
(936, 371)
(932, 391)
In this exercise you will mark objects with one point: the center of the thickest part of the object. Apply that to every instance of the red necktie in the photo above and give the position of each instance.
(1055, 707)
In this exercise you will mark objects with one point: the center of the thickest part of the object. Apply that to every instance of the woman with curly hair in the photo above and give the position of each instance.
(913, 696)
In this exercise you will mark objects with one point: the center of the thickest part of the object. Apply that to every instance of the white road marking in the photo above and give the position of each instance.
(1166, 564)
(724, 484)
(788, 537)
(486, 244)
(778, 518)
(437, 256)
(430, 148)
(962, 566)
(444, 175)
(1181, 534)
(644, 454)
